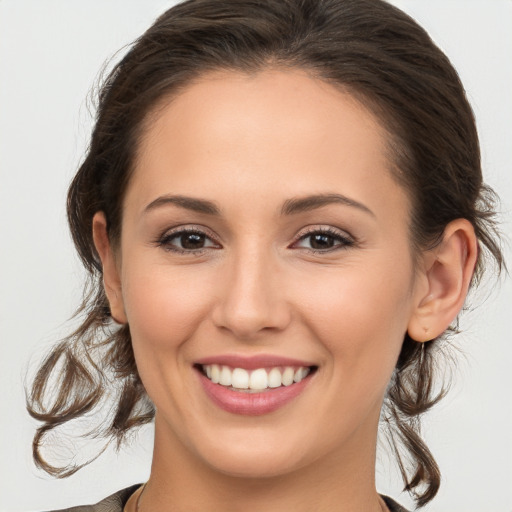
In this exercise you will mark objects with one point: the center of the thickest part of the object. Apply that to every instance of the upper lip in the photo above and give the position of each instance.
(252, 362)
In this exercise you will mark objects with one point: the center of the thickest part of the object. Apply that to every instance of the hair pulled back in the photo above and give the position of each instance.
(366, 47)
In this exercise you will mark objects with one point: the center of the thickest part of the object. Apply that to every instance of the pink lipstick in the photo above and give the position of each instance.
(253, 385)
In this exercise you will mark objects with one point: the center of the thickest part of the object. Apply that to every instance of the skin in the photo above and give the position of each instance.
(248, 144)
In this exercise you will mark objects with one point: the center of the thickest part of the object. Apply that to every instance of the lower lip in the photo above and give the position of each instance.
(252, 404)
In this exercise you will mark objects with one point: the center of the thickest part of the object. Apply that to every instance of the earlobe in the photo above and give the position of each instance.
(111, 278)
(448, 275)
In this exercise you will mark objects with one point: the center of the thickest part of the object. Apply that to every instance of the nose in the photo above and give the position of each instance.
(252, 299)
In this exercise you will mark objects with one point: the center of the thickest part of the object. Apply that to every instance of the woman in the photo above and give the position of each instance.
(282, 209)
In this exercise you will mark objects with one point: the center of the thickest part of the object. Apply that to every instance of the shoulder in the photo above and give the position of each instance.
(113, 503)
(393, 505)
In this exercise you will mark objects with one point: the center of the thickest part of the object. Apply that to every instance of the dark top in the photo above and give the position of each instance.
(115, 503)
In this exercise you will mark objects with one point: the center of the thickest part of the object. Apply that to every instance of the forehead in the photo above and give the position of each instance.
(273, 103)
(270, 132)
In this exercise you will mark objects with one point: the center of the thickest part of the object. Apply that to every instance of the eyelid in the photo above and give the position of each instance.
(170, 233)
(189, 228)
(345, 238)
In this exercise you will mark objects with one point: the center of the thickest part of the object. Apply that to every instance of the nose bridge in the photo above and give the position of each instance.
(252, 298)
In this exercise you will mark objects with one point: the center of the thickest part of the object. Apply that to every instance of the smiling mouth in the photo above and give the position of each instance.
(256, 380)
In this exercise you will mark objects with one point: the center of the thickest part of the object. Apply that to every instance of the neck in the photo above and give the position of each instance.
(180, 481)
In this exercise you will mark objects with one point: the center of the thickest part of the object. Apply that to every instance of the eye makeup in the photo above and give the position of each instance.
(196, 240)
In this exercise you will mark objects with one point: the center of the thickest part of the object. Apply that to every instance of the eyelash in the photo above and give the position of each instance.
(165, 240)
(345, 240)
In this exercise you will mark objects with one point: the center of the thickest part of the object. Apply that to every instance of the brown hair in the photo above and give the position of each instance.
(367, 47)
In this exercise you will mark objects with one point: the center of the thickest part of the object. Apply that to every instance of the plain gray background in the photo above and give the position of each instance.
(50, 55)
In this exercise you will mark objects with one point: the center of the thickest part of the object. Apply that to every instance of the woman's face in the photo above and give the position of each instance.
(265, 240)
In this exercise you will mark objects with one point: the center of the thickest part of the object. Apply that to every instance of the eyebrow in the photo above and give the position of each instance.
(189, 203)
(290, 206)
(305, 204)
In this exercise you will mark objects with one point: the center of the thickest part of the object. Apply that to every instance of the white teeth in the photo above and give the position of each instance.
(259, 379)
(300, 374)
(215, 371)
(225, 376)
(274, 378)
(240, 378)
(288, 376)
(256, 380)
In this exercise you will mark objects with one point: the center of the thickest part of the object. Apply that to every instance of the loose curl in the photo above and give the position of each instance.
(365, 47)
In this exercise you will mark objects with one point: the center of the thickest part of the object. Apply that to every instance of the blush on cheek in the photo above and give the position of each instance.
(163, 311)
(360, 316)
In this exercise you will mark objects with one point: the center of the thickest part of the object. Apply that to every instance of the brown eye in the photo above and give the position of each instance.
(320, 241)
(192, 240)
(324, 240)
(186, 241)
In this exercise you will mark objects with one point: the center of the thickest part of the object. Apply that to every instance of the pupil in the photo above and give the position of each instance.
(321, 242)
(192, 241)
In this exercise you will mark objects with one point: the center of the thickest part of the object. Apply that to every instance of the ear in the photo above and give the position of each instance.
(111, 277)
(447, 273)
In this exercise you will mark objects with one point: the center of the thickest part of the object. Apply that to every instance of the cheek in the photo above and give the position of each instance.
(360, 317)
(164, 305)
(363, 331)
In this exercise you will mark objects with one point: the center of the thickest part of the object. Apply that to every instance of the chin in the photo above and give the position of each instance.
(249, 453)
(257, 465)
